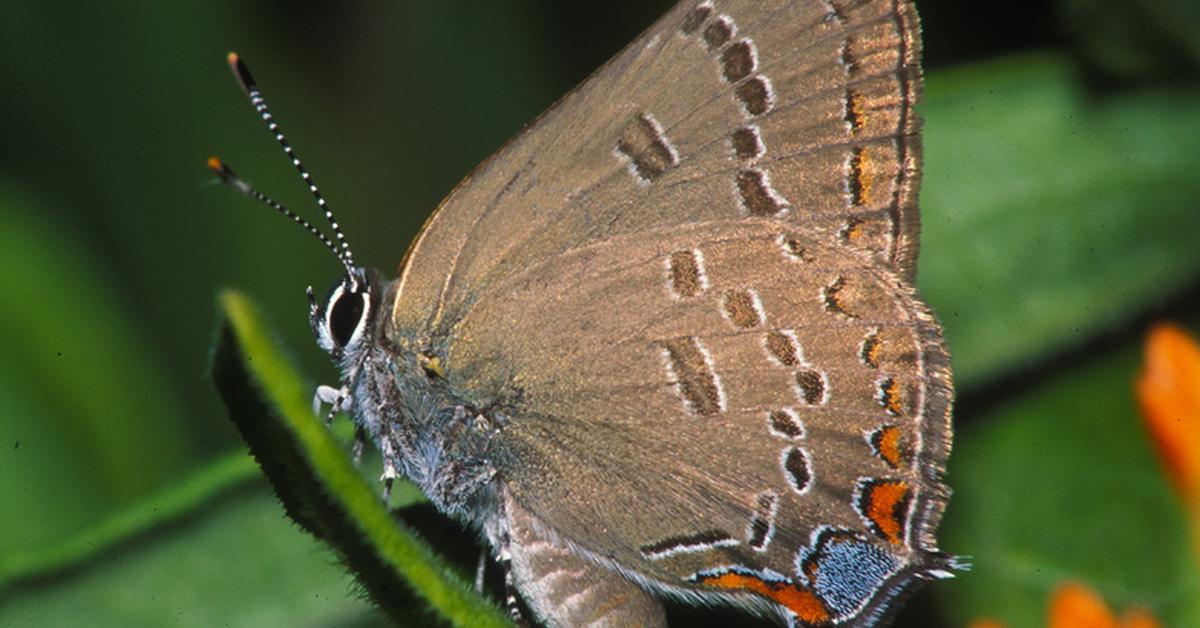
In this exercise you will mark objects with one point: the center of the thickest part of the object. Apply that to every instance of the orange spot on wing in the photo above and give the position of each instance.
(889, 446)
(855, 114)
(886, 507)
(864, 172)
(804, 603)
(854, 231)
(892, 397)
(871, 352)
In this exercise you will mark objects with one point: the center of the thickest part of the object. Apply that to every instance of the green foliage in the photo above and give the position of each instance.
(73, 383)
(235, 561)
(187, 496)
(1050, 216)
(1059, 483)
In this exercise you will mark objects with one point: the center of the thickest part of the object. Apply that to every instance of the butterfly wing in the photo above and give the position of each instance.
(797, 111)
(687, 289)
(725, 408)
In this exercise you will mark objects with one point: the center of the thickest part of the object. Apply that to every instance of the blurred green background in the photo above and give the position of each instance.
(1061, 208)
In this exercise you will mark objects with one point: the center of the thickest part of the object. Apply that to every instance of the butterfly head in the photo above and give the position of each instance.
(344, 319)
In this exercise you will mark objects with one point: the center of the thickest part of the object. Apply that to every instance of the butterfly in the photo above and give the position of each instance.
(666, 343)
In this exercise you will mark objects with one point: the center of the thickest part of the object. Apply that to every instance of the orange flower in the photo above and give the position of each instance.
(1076, 606)
(1168, 391)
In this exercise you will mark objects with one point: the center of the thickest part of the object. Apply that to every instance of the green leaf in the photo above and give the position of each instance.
(189, 495)
(1062, 484)
(90, 420)
(235, 562)
(1050, 215)
(312, 474)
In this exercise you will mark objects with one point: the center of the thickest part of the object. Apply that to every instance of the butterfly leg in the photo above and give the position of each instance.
(337, 398)
(563, 588)
(511, 602)
(360, 443)
(479, 570)
(388, 451)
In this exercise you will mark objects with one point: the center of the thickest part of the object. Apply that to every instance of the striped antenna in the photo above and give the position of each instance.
(232, 180)
(260, 105)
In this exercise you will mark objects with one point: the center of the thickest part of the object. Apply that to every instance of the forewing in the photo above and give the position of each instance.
(728, 408)
(800, 111)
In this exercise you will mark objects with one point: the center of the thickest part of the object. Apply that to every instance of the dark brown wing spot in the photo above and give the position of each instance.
(848, 58)
(811, 386)
(718, 32)
(758, 197)
(645, 145)
(837, 13)
(737, 61)
(747, 144)
(691, 543)
(697, 383)
(795, 248)
(783, 348)
(763, 522)
(755, 95)
(741, 308)
(687, 279)
(759, 528)
(797, 469)
(695, 18)
(785, 423)
(832, 296)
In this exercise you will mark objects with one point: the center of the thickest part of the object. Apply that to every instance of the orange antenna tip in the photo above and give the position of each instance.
(241, 72)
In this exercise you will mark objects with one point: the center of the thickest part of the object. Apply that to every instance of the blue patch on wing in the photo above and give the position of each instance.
(846, 571)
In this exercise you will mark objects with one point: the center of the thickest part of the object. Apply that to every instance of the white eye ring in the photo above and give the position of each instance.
(326, 338)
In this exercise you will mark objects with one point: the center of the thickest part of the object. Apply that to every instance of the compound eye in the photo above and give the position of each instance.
(344, 315)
